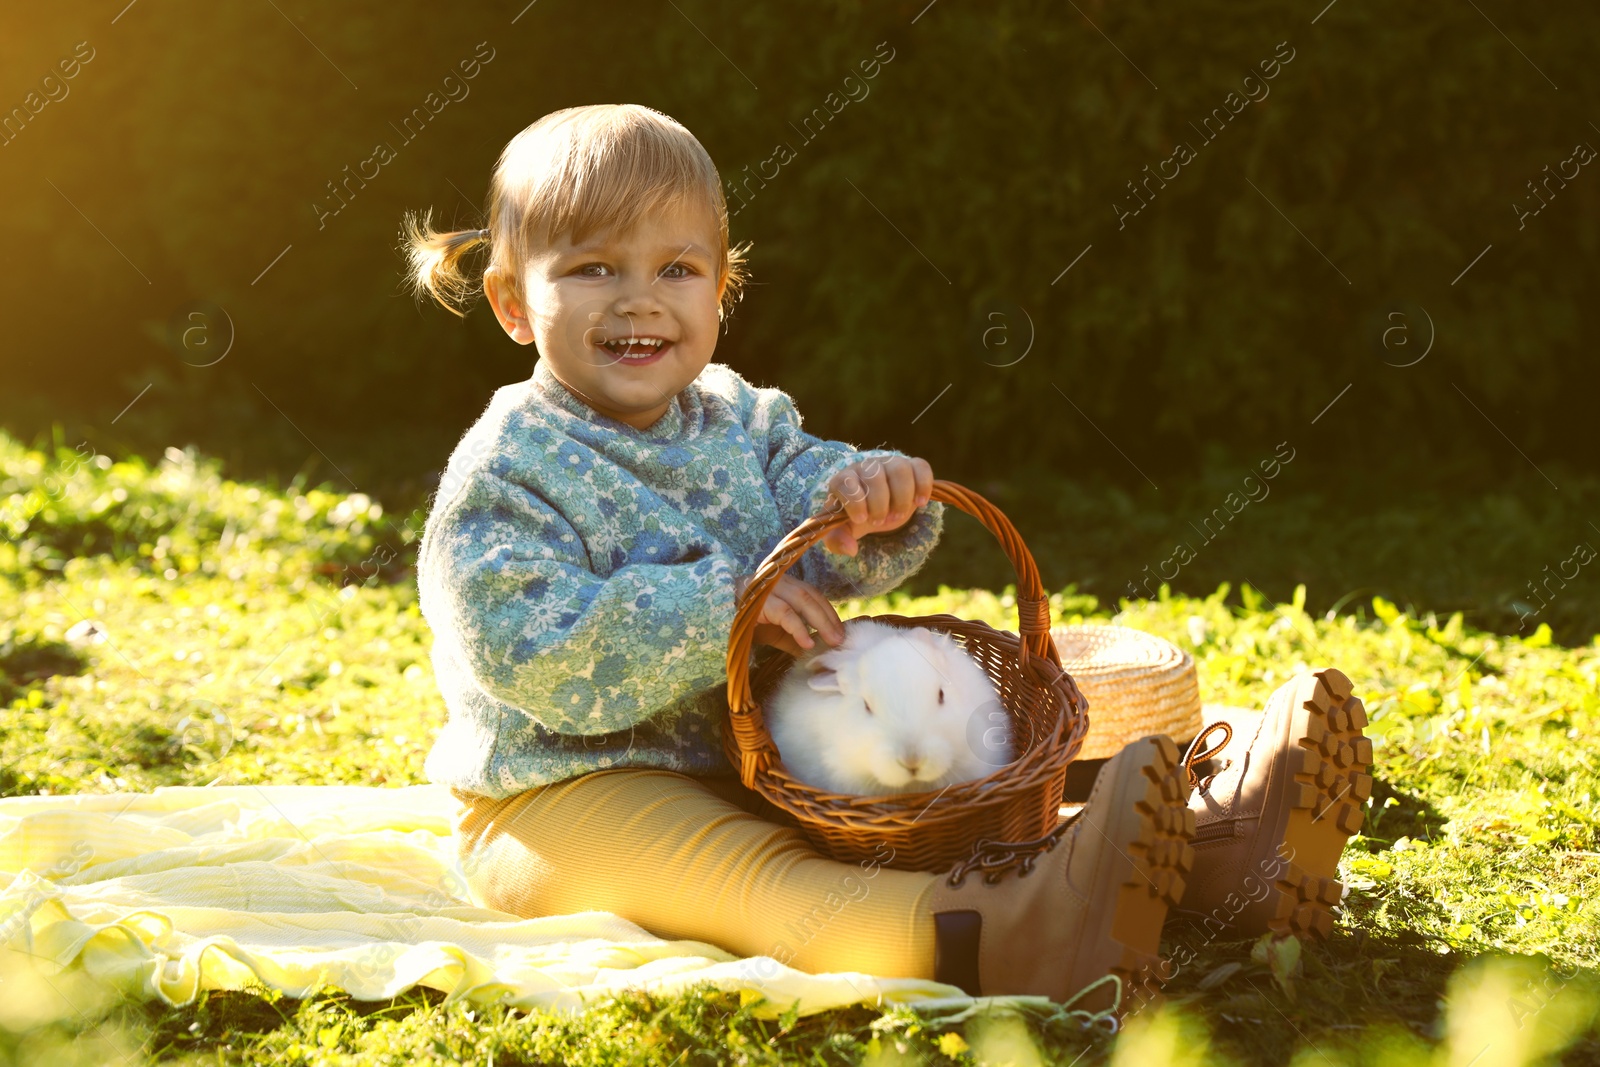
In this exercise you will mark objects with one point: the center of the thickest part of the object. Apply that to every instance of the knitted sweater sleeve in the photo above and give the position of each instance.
(539, 630)
(798, 466)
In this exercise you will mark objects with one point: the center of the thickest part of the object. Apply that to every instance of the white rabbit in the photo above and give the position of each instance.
(889, 710)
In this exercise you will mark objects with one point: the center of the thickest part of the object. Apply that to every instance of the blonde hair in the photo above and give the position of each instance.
(577, 171)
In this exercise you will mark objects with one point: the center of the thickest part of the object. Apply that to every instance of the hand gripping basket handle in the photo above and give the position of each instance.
(756, 750)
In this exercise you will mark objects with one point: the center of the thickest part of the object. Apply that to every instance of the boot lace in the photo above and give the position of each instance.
(1192, 757)
(995, 858)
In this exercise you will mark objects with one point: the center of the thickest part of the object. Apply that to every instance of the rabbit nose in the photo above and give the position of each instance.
(911, 761)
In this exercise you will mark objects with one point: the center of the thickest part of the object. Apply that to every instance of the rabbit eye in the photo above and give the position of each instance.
(867, 706)
(941, 696)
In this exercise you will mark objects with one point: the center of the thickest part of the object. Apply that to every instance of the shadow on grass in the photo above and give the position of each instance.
(1409, 815)
(27, 660)
(1340, 997)
(232, 1021)
(1344, 991)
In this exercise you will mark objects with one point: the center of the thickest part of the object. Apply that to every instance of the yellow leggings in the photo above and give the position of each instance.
(688, 859)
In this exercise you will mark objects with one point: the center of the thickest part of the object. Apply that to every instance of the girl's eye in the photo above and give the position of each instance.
(867, 706)
(584, 270)
(678, 267)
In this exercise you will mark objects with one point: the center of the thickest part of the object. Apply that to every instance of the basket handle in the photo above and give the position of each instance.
(756, 750)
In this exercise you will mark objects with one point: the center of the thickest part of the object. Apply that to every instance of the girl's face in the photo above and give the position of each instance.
(657, 283)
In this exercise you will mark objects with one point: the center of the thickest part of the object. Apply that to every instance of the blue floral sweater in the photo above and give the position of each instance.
(577, 574)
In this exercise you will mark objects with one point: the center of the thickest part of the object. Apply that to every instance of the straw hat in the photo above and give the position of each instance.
(1137, 684)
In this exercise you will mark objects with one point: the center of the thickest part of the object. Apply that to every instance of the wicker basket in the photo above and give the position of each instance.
(924, 831)
(1138, 683)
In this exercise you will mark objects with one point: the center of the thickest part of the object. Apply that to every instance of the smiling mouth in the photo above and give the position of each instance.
(636, 348)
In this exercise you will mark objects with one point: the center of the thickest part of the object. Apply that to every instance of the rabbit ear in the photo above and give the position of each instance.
(926, 638)
(823, 672)
(862, 634)
(824, 680)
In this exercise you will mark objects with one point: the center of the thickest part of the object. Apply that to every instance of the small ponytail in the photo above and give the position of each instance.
(435, 258)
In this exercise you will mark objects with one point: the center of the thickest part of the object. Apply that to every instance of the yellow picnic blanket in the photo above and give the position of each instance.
(165, 894)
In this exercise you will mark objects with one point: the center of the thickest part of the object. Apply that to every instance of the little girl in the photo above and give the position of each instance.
(580, 569)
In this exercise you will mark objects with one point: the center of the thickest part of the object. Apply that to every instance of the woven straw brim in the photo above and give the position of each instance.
(1137, 684)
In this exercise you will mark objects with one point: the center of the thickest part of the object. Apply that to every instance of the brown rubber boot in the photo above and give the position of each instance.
(1272, 821)
(1093, 906)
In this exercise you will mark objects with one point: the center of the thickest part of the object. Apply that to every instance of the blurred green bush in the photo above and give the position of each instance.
(957, 184)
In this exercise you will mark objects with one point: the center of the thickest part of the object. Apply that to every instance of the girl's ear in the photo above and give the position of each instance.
(508, 308)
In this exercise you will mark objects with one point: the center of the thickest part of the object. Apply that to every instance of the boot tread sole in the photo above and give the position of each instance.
(1330, 784)
(1153, 880)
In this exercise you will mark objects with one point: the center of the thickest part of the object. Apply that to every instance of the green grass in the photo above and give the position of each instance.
(233, 653)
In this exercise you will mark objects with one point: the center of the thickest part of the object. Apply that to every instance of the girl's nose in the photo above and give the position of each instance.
(638, 298)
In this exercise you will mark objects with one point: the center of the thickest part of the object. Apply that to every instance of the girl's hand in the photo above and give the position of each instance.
(791, 609)
(879, 495)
